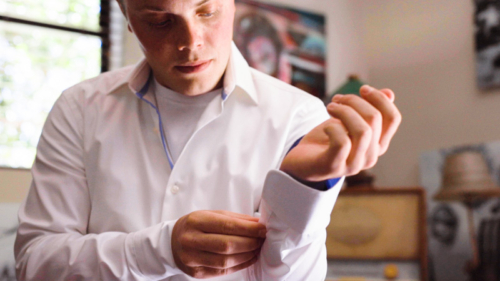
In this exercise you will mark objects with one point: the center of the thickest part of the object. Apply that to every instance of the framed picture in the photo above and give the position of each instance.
(380, 227)
(487, 38)
(286, 43)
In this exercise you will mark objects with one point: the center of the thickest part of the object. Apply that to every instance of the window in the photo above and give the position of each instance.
(47, 46)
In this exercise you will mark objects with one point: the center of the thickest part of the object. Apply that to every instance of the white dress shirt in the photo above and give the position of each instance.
(180, 115)
(104, 198)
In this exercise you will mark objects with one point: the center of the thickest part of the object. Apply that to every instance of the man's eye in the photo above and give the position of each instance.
(161, 24)
(206, 15)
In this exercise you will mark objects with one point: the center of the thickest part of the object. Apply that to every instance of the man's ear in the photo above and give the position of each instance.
(121, 3)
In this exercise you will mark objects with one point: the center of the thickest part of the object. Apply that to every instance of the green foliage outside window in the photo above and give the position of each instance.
(36, 65)
(82, 14)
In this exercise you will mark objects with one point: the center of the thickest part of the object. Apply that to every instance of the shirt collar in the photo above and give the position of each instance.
(139, 76)
(237, 76)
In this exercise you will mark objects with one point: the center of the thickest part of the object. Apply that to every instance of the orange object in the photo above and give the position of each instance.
(391, 271)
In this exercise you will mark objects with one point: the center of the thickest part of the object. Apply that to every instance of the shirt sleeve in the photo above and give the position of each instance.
(296, 213)
(53, 242)
(296, 217)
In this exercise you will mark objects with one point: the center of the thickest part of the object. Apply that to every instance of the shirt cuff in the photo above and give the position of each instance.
(321, 185)
(152, 251)
(302, 208)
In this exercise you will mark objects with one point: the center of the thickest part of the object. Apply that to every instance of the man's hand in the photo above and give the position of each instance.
(359, 131)
(212, 243)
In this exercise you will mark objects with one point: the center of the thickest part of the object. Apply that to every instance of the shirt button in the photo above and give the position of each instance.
(174, 189)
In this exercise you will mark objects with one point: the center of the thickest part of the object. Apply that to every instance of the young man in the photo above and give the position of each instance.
(159, 172)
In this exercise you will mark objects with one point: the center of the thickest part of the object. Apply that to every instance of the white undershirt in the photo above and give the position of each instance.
(180, 115)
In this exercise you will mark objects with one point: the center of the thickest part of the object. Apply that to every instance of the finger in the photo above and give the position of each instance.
(340, 145)
(391, 117)
(372, 117)
(208, 272)
(236, 215)
(360, 134)
(336, 97)
(366, 89)
(207, 259)
(220, 243)
(212, 222)
(389, 93)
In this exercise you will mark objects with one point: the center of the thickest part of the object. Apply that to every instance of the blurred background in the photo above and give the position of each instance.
(425, 51)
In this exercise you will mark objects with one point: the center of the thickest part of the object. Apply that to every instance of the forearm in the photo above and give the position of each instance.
(105, 256)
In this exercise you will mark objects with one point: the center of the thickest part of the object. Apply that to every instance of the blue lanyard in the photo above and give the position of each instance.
(141, 95)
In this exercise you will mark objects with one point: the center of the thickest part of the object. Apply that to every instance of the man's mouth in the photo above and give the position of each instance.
(193, 67)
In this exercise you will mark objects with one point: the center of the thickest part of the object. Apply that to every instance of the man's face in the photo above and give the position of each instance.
(186, 42)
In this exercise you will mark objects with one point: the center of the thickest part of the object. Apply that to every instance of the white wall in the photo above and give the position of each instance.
(424, 50)
(132, 52)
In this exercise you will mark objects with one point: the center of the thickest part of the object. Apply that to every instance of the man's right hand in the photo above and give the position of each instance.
(207, 244)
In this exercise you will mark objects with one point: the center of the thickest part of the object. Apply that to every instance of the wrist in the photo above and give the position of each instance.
(318, 185)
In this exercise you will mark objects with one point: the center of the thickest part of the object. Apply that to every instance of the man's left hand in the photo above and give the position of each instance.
(358, 132)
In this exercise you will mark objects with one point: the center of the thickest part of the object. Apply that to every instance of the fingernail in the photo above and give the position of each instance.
(366, 89)
(337, 97)
(332, 105)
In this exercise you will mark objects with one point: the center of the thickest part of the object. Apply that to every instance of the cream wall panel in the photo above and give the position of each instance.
(424, 50)
(14, 185)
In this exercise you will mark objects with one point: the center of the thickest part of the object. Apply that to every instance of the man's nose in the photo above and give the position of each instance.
(190, 37)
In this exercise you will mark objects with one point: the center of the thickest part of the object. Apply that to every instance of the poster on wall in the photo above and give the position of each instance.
(286, 43)
(445, 173)
(487, 38)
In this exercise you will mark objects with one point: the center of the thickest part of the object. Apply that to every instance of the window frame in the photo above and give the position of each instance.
(104, 34)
